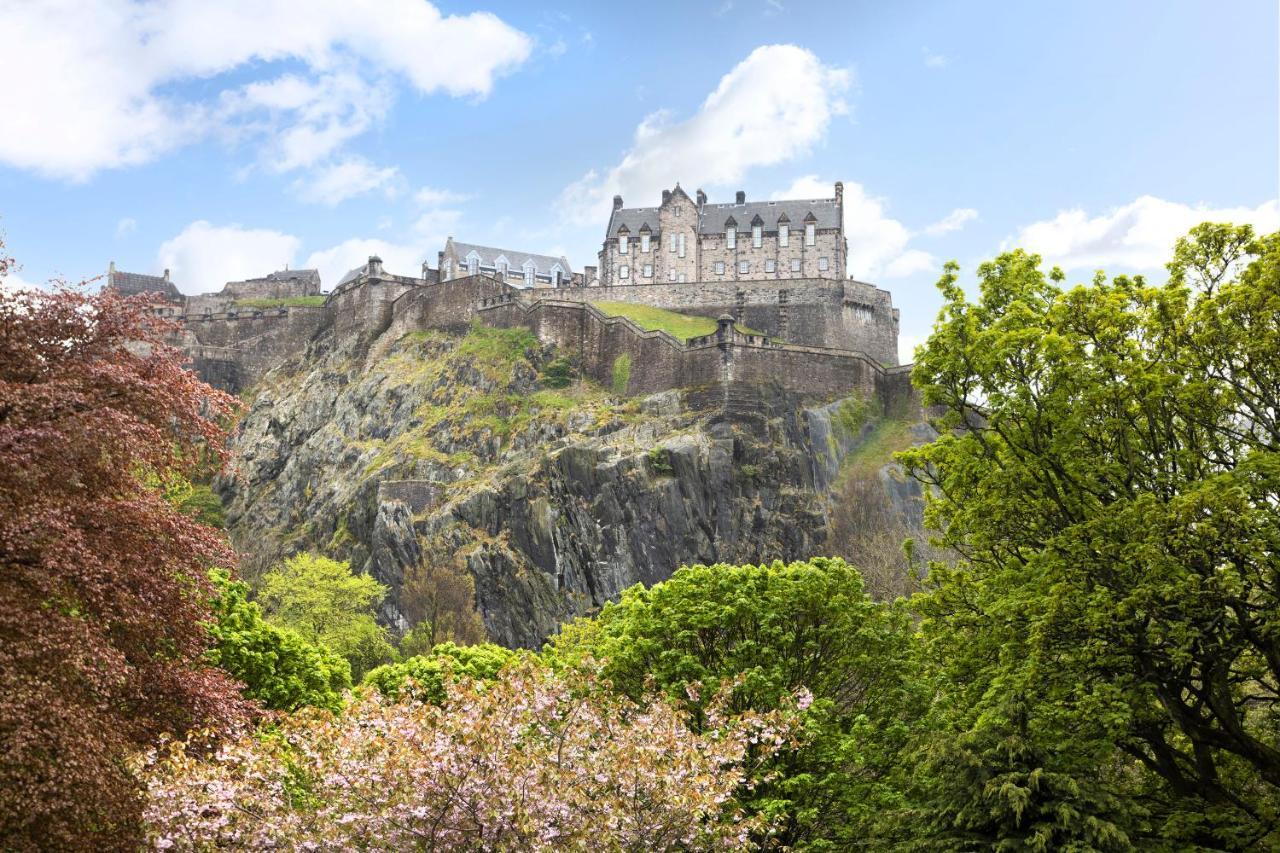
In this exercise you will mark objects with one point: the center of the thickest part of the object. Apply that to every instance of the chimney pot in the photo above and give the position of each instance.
(617, 202)
(839, 190)
(702, 198)
(666, 196)
(741, 197)
(166, 273)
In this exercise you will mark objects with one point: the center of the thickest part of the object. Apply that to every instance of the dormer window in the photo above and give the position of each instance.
(784, 234)
(731, 236)
(810, 233)
(644, 241)
(623, 241)
(757, 236)
(473, 263)
(528, 274)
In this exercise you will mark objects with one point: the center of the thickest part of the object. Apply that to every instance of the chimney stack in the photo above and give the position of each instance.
(166, 273)
(839, 191)
(666, 196)
(741, 197)
(702, 199)
(617, 202)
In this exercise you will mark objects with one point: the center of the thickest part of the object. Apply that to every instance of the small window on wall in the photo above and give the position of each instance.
(673, 243)
(528, 277)
(743, 267)
(671, 275)
(770, 265)
(719, 267)
(731, 237)
(624, 271)
(680, 277)
(810, 233)
(644, 243)
(648, 271)
(784, 234)
(680, 244)
(822, 264)
(623, 242)
(757, 236)
(795, 265)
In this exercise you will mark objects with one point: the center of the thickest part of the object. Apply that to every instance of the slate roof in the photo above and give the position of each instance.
(712, 218)
(489, 255)
(292, 275)
(825, 210)
(132, 283)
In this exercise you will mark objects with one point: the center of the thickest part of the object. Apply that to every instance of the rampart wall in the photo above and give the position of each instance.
(232, 350)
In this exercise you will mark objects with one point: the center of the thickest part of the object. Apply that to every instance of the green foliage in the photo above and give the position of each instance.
(660, 461)
(496, 351)
(427, 672)
(326, 604)
(282, 302)
(558, 373)
(764, 632)
(621, 373)
(1108, 470)
(679, 326)
(851, 415)
(278, 667)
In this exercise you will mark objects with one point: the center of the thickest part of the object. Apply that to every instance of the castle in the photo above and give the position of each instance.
(771, 274)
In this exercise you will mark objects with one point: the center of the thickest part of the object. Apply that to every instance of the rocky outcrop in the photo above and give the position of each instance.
(452, 449)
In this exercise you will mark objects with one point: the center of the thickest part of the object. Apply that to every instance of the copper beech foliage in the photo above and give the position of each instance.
(533, 761)
(103, 585)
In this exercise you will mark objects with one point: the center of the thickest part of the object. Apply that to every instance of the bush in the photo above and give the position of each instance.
(621, 373)
(558, 373)
(428, 671)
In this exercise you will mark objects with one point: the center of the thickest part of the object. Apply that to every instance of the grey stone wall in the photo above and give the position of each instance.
(233, 350)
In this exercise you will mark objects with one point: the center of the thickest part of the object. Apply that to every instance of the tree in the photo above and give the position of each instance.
(763, 633)
(328, 605)
(429, 672)
(278, 667)
(530, 761)
(103, 587)
(440, 599)
(1108, 475)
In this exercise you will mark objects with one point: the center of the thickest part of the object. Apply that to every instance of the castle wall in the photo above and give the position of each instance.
(233, 350)
(362, 310)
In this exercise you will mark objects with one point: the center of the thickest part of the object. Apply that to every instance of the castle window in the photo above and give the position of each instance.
(680, 244)
(719, 267)
(757, 236)
(770, 265)
(743, 267)
(502, 270)
(671, 275)
(648, 271)
(623, 240)
(810, 233)
(673, 242)
(731, 237)
(784, 234)
(644, 243)
(680, 277)
(624, 271)
(822, 264)
(795, 265)
(528, 275)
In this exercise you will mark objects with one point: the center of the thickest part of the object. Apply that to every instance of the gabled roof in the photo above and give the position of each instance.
(634, 218)
(825, 211)
(293, 275)
(489, 255)
(132, 284)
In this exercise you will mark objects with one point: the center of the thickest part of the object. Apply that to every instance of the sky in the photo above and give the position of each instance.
(226, 140)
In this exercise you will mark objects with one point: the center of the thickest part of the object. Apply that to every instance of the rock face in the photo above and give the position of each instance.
(453, 450)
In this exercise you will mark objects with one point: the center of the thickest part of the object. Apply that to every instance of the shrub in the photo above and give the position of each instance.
(621, 373)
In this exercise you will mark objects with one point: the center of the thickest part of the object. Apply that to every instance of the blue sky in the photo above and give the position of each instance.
(225, 140)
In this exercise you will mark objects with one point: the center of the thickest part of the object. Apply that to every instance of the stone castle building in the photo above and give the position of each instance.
(685, 240)
(518, 269)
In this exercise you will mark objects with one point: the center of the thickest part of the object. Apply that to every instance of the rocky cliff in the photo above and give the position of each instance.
(435, 449)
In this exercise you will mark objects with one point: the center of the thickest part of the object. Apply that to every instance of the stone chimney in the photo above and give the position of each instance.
(740, 197)
(617, 202)
(166, 273)
(425, 268)
(839, 192)
(375, 266)
(702, 199)
(666, 196)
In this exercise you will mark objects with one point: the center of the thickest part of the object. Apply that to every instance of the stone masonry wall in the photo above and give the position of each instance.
(233, 350)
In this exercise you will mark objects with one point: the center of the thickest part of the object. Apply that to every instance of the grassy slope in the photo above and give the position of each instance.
(286, 302)
(679, 326)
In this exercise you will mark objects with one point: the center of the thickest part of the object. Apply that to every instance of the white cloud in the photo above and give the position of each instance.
(126, 227)
(1138, 236)
(907, 347)
(432, 197)
(773, 106)
(402, 258)
(953, 221)
(100, 81)
(204, 256)
(337, 182)
(934, 60)
(877, 242)
(15, 283)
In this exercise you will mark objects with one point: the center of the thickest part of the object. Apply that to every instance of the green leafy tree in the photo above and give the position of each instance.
(278, 667)
(765, 632)
(428, 672)
(326, 604)
(1108, 475)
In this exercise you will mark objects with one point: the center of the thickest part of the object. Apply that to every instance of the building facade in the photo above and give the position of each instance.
(687, 239)
(518, 269)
